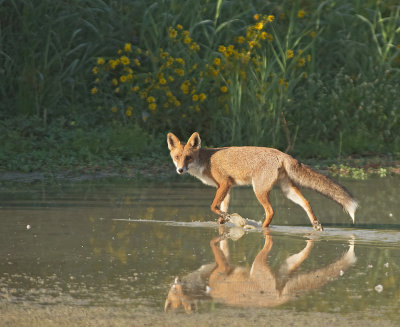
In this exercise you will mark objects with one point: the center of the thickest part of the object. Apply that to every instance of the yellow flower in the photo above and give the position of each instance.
(301, 62)
(164, 54)
(179, 26)
(123, 79)
(172, 33)
(264, 35)
(221, 49)
(180, 61)
(180, 72)
(100, 61)
(117, 90)
(187, 40)
(194, 46)
(153, 106)
(128, 111)
(163, 81)
(301, 13)
(185, 87)
(308, 58)
(171, 78)
(184, 115)
(217, 61)
(95, 70)
(256, 17)
(114, 82)
(202, 97)
(125, 60)
(113, 63)
(313, 34)
(135, 88)
(94, 90)
(290, 53)
(224, 89)
(195, 97)
(128, 47)
(151, 99)
(197, 108)
(252, 44)
(259, 26)
(137, 62)
(271, 18)
(240, 39)
(114, 109)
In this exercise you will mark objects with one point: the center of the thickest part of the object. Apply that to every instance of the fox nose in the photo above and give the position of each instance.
(180, 170)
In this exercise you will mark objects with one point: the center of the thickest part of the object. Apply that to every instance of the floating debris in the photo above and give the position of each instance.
(28, 227)
(379, 288)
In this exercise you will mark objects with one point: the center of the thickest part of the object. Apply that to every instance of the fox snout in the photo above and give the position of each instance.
(181, 170)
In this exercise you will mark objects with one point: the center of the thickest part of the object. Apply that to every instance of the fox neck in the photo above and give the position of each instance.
(199, 169)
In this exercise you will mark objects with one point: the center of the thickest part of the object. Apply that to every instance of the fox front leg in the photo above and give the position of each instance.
(221, 201)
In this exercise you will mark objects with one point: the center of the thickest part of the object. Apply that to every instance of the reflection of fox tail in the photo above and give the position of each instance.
(304, 176)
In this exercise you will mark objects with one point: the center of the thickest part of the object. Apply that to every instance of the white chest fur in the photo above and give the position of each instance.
(198, 172)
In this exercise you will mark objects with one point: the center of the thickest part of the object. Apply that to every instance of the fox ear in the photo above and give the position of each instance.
(172, 140)
(195, 141)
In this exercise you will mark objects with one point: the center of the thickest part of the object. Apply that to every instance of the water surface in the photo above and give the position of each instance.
(107, 252)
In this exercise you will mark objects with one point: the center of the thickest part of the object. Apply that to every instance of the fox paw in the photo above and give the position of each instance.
(317, 226)
(223, 218)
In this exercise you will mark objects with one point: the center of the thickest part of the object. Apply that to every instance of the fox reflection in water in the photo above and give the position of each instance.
(257, 287)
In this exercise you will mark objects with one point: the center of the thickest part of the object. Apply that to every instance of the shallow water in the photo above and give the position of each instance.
(106, 252)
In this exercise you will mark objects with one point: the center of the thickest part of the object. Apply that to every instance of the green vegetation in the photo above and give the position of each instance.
(100, 83)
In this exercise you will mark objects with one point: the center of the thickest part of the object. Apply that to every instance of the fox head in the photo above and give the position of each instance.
(184, 154)
(177, 298)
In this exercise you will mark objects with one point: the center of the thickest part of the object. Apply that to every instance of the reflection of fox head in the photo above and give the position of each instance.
(184, 154)
(177, 298)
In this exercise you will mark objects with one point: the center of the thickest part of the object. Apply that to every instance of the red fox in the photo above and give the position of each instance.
(260, 167)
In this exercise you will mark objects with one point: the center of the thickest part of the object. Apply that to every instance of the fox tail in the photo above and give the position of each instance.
(304, 176)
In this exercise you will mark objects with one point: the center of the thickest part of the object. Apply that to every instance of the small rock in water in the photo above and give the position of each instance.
(379, 288)
(237, 220)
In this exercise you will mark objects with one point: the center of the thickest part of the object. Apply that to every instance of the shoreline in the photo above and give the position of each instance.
(145, 169)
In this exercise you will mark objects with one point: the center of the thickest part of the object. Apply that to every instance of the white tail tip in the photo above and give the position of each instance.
(351, 208)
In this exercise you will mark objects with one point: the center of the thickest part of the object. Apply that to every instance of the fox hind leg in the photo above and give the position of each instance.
(294, 194)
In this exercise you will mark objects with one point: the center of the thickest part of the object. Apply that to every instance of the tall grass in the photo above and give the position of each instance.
(323, 82)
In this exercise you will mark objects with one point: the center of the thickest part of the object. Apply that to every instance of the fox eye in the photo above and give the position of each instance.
(176, 157)
(188, 157)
